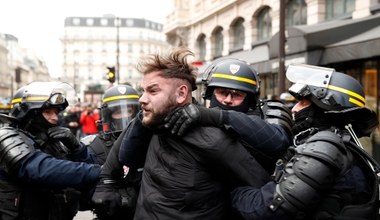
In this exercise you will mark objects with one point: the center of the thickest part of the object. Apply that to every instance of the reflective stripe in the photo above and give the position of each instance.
(356, 102)
(16, 100)
(237, 78)
(34, 98)
(112, 98)
(37, 98)
(360, 102)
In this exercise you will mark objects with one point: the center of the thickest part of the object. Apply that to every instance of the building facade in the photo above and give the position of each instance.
(91, 44)
(18, 66)
(344, 35)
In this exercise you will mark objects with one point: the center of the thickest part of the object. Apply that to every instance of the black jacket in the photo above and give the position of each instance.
(190, 177)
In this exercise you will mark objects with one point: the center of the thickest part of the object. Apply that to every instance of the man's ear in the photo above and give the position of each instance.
(182, 93)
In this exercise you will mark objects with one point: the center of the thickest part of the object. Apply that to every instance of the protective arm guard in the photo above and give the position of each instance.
(276, 112)
(313, 170)
(14, 147)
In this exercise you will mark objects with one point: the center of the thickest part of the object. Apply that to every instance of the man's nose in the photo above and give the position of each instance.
(228, 98)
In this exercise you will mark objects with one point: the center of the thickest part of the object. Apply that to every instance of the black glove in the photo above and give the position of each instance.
(106, 198)
(181, 118)
(65, 136)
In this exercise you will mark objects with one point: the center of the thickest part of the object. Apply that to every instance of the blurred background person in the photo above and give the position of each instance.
(71, 119)
(88, 120)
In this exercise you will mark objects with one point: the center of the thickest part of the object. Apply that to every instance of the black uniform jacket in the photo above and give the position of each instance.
(190, 177)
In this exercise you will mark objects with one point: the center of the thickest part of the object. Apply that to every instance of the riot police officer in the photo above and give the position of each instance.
(120, 105)
(38, 176)
(326, 175)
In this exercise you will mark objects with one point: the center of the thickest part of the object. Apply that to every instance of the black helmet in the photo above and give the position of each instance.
(40, 95)
(328, 89)
(120, 105)
(233, 74)
(340, 96)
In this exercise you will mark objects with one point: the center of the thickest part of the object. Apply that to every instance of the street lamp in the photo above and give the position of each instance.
(281, 52)
(117, 50)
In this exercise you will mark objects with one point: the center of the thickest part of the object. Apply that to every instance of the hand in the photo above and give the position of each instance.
(65, 136)
(181, 118)
(106, 198)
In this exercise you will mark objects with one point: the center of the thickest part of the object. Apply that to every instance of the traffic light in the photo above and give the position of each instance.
(111, 75)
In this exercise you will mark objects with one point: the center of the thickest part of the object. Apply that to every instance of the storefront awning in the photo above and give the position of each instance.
(361, 46)
(329, 36)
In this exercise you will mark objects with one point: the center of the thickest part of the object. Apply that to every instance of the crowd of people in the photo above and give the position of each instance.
(162, 155)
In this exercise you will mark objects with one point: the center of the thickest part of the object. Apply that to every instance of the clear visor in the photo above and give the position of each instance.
(309, 75)
(304, 76)
(52, 92)
(116, 115)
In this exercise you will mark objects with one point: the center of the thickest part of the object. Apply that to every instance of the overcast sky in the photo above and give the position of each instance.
(38, 24)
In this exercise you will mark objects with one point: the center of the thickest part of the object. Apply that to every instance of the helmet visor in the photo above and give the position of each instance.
(304, 76)
(117, 114)
(54, 93)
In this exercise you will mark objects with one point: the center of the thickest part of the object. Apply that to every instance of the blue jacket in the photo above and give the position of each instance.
(42, 168)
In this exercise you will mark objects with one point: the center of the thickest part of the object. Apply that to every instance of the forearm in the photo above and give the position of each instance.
(267, 138)
(51, 172)
(254, 203)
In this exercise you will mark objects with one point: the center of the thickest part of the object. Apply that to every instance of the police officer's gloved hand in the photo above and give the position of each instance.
(106, 198)
(65, 136)
(184, 117)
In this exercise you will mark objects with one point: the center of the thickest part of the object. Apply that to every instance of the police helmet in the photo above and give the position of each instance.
(41, 95)
(328, 89)
(339, 95)
(120, 105)
(5, 106)
(233, 74)
(288, 99)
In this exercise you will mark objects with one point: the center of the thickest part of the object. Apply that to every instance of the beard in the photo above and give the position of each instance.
(155, 114)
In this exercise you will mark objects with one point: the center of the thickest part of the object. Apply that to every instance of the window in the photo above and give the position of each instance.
(370, 82)
(90, 21)
(104, 22)
(264, 24)
(76, 21)
(339, 8)
(202, 46)
(218, 42)
(296, 13)
(130, 22)
(238, 34)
